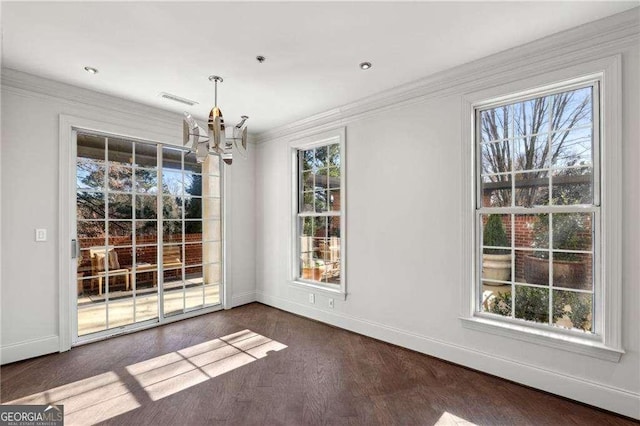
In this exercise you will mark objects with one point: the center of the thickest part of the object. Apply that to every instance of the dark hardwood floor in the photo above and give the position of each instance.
(310, 373)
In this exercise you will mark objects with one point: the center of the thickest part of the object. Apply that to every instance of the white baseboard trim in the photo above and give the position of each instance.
(243, 298)
(29, 349)
(596, 394)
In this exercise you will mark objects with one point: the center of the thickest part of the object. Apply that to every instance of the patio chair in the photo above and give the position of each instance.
(99, 263)
(311, 266)
(171, 258)
(331, 255)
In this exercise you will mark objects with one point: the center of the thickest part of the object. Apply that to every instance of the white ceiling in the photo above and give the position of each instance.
(312, 49)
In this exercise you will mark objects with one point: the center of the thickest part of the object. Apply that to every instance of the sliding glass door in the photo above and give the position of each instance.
(191, 231)
(148, 231)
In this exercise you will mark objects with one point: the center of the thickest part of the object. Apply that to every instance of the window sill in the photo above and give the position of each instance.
(320, 289)
(575, 344)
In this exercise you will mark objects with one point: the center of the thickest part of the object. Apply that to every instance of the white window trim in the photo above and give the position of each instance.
(608, 345)
(320, 139)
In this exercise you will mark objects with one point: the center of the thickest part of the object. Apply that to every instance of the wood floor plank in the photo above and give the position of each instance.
(211, 370)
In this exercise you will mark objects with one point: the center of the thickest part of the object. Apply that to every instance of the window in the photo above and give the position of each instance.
(319, 212)
(542, 208)
(537, 212)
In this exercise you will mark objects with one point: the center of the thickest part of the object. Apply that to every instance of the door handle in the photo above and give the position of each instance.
(75, 249)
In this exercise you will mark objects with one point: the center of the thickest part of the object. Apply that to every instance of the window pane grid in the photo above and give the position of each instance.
(543, 93)
(318, 212)
(547, 173)
(118, 186)
(538, 134)
(543, 169)
(195, 220)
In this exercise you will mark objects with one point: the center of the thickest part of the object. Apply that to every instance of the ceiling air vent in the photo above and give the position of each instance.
(177, 99)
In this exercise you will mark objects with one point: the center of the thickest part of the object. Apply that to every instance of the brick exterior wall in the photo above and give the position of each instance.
(146, 252)
(524, 233)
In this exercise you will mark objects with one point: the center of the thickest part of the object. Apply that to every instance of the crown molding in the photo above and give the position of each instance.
(26, 84)
(31, 85)
(595, 39)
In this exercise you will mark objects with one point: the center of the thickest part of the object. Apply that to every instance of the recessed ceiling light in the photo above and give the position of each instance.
(365, 65)
(91, 70)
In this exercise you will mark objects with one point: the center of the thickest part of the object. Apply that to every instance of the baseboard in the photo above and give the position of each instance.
(29, 349)
(596, 394)
(243, 298)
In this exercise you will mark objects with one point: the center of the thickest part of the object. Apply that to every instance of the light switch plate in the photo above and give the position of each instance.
(41, 235)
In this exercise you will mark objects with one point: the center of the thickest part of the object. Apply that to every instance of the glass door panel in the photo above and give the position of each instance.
(148, 226)
(116, 223)
(191, 232)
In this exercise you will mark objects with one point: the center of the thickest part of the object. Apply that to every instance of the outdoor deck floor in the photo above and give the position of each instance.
(92, 310)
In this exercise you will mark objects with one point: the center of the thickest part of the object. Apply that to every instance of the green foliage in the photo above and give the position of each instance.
(322, 157)
(532, 304)
(195, 186)
(580, 308)
(193, 227)
(495, 235)
(569, 233)
(171, 206)
(501, 304)
(307, 226)
(90, 205)
(312, 263)
(193, 206)
(146, 181)
(575, 193)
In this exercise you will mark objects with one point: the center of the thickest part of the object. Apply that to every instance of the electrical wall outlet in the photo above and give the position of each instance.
(331, 303)
(312, 298)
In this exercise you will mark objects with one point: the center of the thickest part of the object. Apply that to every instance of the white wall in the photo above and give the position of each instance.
(404, 183)
(29, 176)
(240, 230)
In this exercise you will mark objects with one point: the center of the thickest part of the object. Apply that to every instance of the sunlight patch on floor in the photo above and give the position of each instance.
(448, 419)
(87, 401)
(172, 373)
(101, 397)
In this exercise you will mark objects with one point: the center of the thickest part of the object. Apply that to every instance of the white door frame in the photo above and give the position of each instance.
(67, 297)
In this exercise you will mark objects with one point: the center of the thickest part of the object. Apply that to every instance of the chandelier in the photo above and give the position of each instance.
(214, 141)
